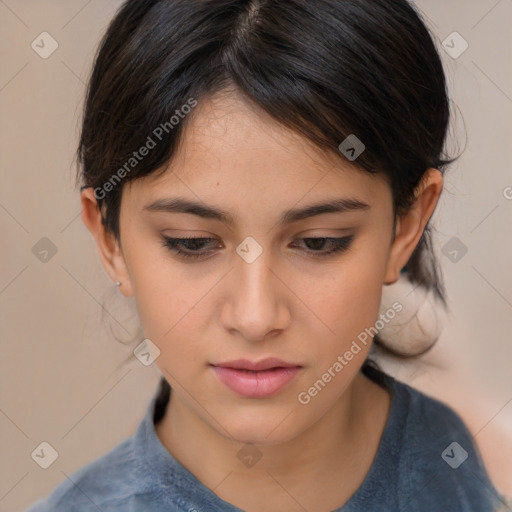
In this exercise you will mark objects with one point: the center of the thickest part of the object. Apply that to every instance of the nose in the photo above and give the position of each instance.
(256, 301)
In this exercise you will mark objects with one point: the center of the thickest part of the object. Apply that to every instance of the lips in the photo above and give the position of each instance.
(264, 364)
(256, 379)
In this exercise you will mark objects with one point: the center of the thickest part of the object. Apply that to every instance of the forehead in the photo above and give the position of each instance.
(233, 146)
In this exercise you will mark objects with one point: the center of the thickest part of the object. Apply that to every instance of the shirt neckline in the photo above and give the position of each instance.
(175, 484)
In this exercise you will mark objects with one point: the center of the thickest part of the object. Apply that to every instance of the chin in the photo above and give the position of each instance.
(271, 429)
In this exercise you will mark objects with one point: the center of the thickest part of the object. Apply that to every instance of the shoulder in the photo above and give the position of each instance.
(109, 477)
(440, 463)
(137, 474)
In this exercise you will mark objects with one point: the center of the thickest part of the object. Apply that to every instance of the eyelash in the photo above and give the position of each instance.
(340, 245)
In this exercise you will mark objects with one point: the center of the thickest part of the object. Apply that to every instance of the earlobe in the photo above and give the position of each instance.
(109, 250)
(410, 225)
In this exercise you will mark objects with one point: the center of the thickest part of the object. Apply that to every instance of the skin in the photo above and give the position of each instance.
(286, 304)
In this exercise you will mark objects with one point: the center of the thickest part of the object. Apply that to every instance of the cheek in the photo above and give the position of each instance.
(349, 300)
(170, 314)
(348, 305)
(167, 308)
(360, 296)
(167, 300)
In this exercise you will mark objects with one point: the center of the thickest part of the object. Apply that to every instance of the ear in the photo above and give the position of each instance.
(410, 226)
(109, 248)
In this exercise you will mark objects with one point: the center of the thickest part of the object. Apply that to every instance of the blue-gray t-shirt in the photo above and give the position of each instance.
(426, 462)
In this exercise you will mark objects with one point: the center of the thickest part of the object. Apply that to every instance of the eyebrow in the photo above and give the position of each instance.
(182, 205)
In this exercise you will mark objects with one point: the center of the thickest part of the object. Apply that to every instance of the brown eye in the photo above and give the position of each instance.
(336, 245)
(192, 246)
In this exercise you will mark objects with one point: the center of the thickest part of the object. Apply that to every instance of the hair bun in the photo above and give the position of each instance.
(418, 325)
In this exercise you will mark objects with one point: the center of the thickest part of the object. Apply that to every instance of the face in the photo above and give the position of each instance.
(256, 285)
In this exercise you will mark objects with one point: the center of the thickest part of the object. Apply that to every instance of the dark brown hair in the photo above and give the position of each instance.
(323, 68)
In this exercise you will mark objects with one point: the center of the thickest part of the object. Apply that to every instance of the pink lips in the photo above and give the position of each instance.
(256, 379)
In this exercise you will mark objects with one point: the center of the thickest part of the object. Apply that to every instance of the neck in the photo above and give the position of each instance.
(337, 450)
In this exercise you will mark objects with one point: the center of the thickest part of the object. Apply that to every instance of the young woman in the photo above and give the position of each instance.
(255, 173)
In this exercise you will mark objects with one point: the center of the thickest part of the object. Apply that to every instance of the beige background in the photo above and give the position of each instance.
(59, 381)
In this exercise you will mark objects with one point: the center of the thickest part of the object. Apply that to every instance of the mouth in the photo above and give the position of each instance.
(269, 363)
(256, 379)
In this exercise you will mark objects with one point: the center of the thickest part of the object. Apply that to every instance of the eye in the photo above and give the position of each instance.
(194, 245)
(191, 245)
(337, 245)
